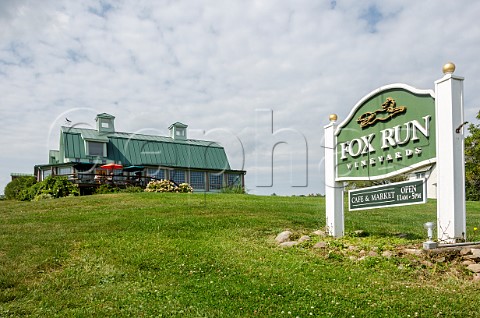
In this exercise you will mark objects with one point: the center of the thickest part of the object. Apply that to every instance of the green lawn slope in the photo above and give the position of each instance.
(197, 255)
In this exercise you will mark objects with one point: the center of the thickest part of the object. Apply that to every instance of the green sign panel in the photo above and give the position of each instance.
(389, 132)
(393, 194)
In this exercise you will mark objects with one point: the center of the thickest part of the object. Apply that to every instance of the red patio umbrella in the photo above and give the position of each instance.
(112, 166)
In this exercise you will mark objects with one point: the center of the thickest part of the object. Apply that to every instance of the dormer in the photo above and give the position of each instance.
(178, 131)
(105, 123)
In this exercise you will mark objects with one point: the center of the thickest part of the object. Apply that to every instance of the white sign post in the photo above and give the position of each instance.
(451, 215)
(333, 189)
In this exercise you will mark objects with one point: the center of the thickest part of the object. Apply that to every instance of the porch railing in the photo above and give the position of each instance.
(86, 179)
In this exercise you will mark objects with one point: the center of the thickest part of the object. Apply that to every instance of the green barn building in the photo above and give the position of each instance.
(135, 159)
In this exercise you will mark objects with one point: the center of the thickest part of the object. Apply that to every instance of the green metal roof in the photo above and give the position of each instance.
(139, 149)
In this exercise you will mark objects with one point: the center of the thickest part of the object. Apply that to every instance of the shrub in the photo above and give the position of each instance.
(15, 187)
(236, 189)
(184, 188)
(132, 189)
(167, 186)
(106, 189)
(57, 187)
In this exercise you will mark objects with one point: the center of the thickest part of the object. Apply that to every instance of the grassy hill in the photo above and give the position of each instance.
(196, 255)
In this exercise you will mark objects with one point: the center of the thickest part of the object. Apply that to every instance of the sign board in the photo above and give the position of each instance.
(388, 195)
(389, 132)
(393, 130)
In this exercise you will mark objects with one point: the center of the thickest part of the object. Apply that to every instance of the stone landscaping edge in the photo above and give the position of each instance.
(467, 256)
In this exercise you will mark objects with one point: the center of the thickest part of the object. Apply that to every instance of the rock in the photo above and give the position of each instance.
(440, 259)
(474, 268)
(320, 245)
(362, 258)
(475, 252)
(352, 258)
(283, 237)
(372, 254)
(362, 253)
(352, 248)
(387, 254)
(304, 238)
(472, 258)
(412, 251)
(320, 233)
(476, 277)
(466, 251)
(467, 262)
(288, 244)
(427, 263)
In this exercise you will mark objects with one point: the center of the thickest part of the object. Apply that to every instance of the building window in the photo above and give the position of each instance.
(420, 175)
(233, 180)
(197, 180)
(62, 171)
(215, 181)
(158, 174)
(96, 148)
(46, 173)
(178, 176)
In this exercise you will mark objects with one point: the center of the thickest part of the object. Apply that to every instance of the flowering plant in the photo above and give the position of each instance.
(167, 186)
(184, 188)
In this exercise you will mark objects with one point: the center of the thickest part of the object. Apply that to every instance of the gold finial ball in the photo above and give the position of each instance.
(333, 117)
(449, 68)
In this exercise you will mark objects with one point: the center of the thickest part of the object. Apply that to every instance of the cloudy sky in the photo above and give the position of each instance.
(253, 75)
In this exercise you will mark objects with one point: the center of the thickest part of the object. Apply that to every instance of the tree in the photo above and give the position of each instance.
(472, 162)
(14, 188)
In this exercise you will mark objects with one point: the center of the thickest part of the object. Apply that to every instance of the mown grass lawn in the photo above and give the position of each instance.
(196, 255)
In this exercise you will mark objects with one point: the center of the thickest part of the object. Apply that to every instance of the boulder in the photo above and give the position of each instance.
(473, 258)
(441, 259)
(466, 251)
(426, 263)
(283, 237)
(387, 254)
(475, 252)
(476, 277)
(320, 245)
(467, 262)
(304, 238)
(412, 251)
(288, 244)
(320, 233)
(474, 268)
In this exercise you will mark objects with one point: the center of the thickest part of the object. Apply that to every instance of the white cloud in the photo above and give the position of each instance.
(212, 64)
